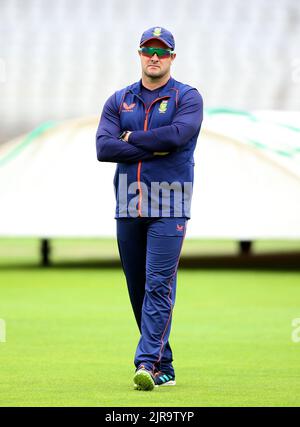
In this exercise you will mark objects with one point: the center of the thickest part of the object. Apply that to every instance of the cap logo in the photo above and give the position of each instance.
(157, 32)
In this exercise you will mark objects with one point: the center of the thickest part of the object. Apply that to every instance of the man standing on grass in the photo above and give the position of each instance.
(150, 130)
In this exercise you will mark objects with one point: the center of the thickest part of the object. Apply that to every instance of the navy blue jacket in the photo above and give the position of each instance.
(155, 170)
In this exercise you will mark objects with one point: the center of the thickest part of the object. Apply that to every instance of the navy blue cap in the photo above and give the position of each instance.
(158, 33)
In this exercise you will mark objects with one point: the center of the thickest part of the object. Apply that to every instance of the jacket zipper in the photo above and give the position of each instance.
(140, 161)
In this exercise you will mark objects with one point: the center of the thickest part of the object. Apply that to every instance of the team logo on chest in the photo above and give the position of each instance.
(128, 108)
(163, 106)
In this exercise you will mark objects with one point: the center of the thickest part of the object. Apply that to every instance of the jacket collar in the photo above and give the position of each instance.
(137, 87)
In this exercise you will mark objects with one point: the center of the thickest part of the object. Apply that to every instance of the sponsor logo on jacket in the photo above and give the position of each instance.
(128, 108)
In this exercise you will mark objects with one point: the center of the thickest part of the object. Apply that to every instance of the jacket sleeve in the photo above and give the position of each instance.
(186, 123)
(108, 145)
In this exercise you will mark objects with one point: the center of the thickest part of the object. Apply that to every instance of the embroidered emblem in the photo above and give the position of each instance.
(157, 31)
(128, 108)
(179, 227)
(163, 106)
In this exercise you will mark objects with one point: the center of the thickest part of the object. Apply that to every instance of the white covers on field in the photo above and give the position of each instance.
(247, 179)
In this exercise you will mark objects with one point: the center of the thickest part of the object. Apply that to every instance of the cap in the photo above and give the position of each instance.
(158, 33)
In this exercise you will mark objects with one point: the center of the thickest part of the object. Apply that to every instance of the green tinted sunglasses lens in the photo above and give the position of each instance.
(150, 51)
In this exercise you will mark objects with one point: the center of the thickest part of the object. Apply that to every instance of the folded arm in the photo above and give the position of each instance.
(108, 145)
(186, 123)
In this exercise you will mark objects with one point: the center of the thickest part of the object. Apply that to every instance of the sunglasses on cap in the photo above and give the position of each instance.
(161, 53)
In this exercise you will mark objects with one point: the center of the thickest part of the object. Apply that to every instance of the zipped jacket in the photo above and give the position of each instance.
(155, 168)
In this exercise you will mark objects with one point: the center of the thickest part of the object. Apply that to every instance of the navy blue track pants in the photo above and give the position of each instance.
(149, 250)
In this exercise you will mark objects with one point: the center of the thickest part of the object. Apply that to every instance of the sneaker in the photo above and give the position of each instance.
(143, 379)
(162, 379)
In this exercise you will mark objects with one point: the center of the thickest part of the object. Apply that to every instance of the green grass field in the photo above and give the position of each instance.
(71, 337)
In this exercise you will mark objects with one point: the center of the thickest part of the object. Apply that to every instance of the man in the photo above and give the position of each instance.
(150, 129)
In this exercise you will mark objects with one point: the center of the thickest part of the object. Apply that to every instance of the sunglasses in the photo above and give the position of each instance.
(161, 53)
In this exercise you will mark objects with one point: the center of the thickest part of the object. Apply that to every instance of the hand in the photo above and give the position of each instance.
(126, 136)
